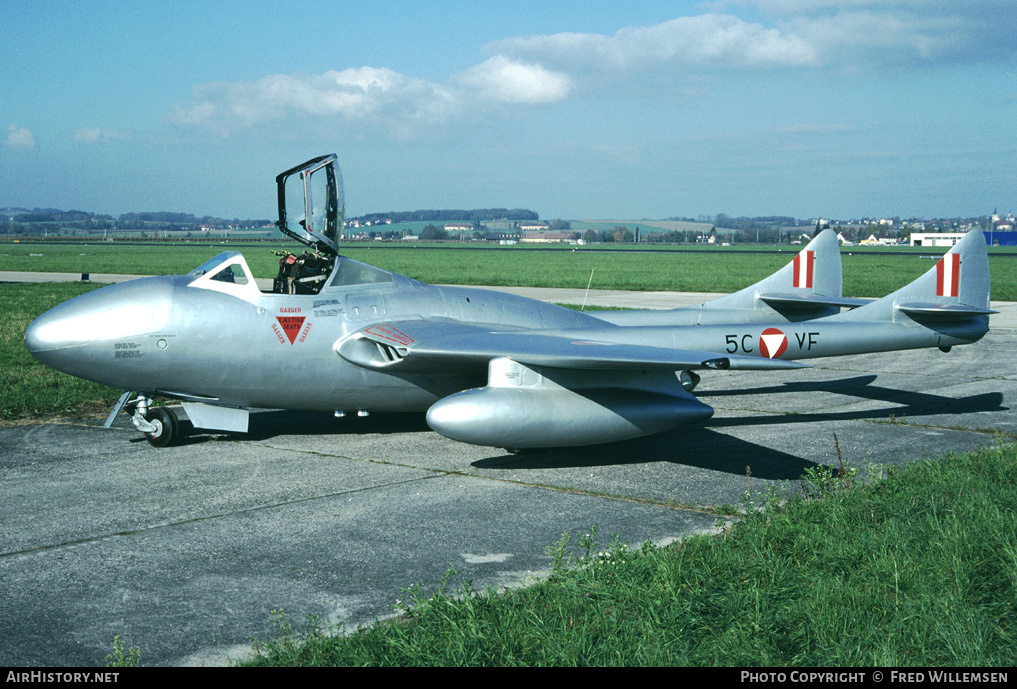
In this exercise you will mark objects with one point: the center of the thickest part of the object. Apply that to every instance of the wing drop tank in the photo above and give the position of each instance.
(525, 407)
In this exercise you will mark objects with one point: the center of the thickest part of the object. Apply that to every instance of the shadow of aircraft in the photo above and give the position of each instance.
(694, 447)
(856, 386)
(265, 425)
(700, 448)
(912, 403)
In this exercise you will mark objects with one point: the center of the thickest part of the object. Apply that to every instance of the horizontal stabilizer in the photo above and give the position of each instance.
(811, 301)
(944, 311)
(951, 298)
(808, 287)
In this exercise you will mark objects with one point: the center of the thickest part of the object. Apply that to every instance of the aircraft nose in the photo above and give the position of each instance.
(60, 336)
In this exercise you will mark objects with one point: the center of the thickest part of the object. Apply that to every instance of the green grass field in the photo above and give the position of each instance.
(31, 390)
(709, 271)
(917, 569)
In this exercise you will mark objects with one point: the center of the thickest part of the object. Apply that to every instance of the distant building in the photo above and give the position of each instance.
(936, 238)
(1002, 223)
(503, 237)
(458, 229)
(995, 238)
(547, 237)
(873, 240)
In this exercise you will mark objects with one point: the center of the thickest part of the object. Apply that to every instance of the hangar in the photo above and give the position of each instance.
(947, 239)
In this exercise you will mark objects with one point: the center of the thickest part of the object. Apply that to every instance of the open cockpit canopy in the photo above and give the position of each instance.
(311, 210)
(312, 206)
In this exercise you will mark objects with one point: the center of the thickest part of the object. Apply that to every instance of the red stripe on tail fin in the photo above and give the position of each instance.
(803, 268)
(948, 276)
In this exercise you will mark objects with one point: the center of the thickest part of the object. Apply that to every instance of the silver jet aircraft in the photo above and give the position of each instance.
(488, 368)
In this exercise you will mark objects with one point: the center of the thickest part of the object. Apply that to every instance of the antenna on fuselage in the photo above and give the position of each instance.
(585, 296)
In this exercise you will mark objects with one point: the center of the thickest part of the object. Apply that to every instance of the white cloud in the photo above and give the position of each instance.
(887, 32)
(87, 135)
(351, 94)
(812, 7)
(543, 69)
(372, 95)
(882, 38)
(19, 137)
(797, 7)
(503, 80)
(91, 135)
(833, 34)
(710, 40)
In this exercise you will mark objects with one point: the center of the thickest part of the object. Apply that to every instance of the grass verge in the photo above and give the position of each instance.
(707, 271)
(31, 390)
(919, 569)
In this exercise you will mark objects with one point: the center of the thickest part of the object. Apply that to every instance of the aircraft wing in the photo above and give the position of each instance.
(429, 345)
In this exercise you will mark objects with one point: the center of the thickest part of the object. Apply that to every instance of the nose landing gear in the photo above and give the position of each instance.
(166, 427)
(160, 425)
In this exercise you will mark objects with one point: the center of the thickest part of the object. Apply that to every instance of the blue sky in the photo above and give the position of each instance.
(810, 108)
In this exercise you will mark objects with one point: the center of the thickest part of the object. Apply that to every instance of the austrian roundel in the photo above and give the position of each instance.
(772, 343)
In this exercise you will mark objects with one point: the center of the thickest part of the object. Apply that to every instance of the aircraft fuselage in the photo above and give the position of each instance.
(201, 339)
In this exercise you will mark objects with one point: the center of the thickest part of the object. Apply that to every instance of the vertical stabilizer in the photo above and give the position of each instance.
(956, 289)
(806, 288)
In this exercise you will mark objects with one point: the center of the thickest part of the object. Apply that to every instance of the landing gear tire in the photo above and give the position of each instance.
(167, 428)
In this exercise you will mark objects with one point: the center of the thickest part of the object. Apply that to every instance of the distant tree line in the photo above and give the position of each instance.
(743, 223)
(434, 232)
(55, 216)
(476, 215)
(160, 216)
(438, 232)
(52, 220)
(27, 229)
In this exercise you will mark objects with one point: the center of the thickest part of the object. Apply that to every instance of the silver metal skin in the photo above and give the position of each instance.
(488, 368)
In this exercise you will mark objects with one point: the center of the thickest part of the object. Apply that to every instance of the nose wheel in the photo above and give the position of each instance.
(159, 424)
(166, 427)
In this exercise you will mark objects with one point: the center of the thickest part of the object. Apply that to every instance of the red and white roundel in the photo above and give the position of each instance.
(772, 343)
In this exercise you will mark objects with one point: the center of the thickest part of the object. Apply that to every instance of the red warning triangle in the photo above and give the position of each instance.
(291, 325)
